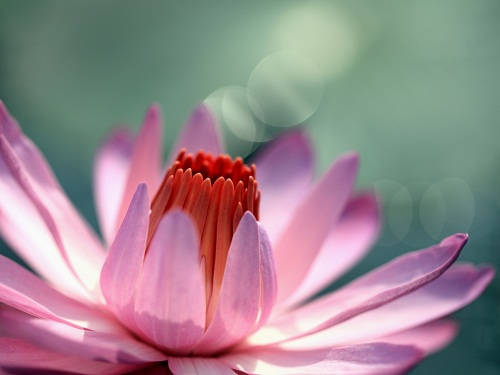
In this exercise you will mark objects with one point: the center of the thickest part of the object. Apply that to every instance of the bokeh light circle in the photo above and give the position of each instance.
(238, 125)
(324, 33)
(239, 117)
(397, 211)
(447, 207)
(286, 89)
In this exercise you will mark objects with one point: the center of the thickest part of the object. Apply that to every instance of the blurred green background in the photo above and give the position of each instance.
(413, 86)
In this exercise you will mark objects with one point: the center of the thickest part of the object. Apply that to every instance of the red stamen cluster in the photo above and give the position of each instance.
(215, 191)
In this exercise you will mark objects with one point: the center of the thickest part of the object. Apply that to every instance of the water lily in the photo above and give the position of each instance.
(208, 264)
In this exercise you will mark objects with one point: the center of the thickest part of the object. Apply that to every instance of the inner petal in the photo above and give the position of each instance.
(215, 191)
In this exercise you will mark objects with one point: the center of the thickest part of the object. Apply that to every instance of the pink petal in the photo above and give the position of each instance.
(456, 288)
(145, 165)
(98, 346)
(33, 206)
(269, 285)
(25, 150)
(239, 300)
(198, 366)
(285, 170)
(346, 244)
(25, 193)
(300, 242)
(430, 337)
(24, 291)
(19, 357)
(200, 132)
(373, 358)
(111, 168)
(120, 273)
(380, 286)
(39, 250)
(170, 303)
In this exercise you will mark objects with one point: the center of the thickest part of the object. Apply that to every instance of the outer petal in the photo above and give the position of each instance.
(239, 300)
(98, 346)
(347, 243)
(24, 291)
(199, 133)
(39, 250)
(394, 279)
(34, 207)
(285, 170)
(20, 357)
(429, 337)
(111, 167)
(300, 242)
(198, 366)
(454, 289)
(120, 273)
(145, 165)
(373, 358)
(170, 304)
(25, 150)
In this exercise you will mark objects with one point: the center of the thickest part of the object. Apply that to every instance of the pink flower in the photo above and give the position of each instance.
(209, 264)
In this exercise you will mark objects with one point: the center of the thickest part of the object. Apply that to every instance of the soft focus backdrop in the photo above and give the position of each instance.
(414, 86)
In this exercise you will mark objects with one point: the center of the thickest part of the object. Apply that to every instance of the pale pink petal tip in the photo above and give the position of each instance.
(200, 132)
(120, 139)
(457, 238)
(3, 112)
(351, 158)
(201, 114)
(153, 115)
(297, 140)
(430, 337)
(295, 144)
(8, 124)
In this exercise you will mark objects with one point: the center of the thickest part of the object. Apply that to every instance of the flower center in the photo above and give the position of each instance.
(215, 191)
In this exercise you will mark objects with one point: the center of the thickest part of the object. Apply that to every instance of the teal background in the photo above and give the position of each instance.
(413, 86)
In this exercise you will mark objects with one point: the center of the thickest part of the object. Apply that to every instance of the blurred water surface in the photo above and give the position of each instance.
(413, 86)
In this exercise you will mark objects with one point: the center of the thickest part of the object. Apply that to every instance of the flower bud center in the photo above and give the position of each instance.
(215, 191)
